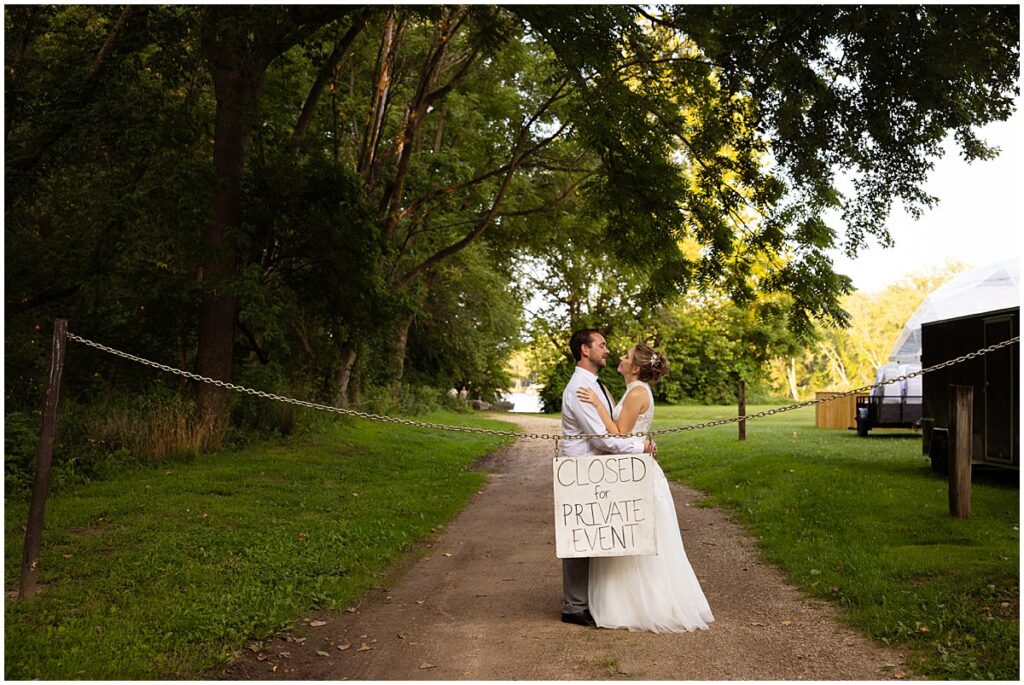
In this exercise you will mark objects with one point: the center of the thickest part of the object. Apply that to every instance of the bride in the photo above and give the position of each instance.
(659, 593)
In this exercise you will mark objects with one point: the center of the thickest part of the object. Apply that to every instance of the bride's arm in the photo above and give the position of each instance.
(634, 405)
(588, 395)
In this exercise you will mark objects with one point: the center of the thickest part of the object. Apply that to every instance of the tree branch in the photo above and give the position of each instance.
(86, 90)
(260, 353)
(12, 309)
(499, 196)
(415, 112)
(308, 107)
(448, 190)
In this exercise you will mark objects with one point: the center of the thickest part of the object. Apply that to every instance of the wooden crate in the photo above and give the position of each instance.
(841, 413)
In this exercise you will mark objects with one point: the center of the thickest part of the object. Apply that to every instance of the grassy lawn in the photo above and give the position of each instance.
(864, 522)
(162, 573)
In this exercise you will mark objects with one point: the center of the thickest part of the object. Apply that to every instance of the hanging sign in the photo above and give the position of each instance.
(604, 506)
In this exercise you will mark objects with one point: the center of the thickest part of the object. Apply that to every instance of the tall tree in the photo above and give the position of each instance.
(239, 43)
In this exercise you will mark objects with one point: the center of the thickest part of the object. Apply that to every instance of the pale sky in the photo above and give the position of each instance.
(978, 219)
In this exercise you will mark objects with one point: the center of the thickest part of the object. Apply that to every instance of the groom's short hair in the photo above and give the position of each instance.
(579, 339)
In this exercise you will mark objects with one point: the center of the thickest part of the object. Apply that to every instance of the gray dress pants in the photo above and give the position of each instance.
(575, 577)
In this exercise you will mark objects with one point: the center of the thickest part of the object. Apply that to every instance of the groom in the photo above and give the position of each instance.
(589, 349)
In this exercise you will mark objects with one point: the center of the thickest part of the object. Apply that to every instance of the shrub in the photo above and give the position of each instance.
(97, 439)
(410, 399)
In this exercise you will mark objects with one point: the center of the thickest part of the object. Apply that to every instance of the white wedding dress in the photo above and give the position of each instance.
(658, 593)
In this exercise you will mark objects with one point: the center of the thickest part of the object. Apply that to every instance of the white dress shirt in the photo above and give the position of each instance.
(582, 417)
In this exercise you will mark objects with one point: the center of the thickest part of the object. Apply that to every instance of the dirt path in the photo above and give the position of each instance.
(483, 602)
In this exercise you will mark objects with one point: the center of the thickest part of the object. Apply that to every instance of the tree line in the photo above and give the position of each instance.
(342, 199)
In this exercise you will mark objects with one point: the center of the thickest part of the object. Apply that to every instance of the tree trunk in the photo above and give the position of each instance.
(348, 360)
(237, 84)
(398, 353)
(791, 377)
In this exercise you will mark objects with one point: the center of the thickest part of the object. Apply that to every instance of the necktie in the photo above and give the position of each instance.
(611, 410)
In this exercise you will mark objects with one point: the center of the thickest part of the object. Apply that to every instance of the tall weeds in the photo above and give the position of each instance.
(152, 428)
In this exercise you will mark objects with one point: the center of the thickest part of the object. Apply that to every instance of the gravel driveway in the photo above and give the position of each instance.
(482, 601)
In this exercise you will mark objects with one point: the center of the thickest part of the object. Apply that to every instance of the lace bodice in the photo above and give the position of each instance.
(643, 421)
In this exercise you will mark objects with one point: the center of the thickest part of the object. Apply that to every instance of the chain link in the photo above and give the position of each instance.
(532, 436)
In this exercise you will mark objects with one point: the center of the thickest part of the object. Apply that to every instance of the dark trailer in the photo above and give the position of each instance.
(994, 377)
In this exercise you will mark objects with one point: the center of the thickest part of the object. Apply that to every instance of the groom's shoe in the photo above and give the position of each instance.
(582, 618)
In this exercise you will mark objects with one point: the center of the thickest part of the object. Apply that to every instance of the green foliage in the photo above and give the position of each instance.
(409, 400)
(164, 573)
(625, 161)
(470, 297)
(21, 443)
(865, 524)
(712, 344)
(845, 358)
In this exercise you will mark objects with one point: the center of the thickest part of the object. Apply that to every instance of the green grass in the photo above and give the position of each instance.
(864, 523)
(163, 573)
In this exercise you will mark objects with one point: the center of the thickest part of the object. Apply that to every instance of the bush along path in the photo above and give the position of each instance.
(482, 601)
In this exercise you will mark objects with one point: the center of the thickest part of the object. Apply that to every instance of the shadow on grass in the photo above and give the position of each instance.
(891, 436)
(984, 474)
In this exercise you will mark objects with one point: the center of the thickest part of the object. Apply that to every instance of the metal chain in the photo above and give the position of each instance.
(837, 396)
(534, 436)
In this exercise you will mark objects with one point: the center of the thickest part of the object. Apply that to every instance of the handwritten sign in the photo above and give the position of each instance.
(604, 506)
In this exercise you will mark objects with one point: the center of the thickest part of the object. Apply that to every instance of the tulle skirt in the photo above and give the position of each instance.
(657, 593)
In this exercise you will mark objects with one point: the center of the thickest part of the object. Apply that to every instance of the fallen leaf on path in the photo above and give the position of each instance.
(262, 657)
(787, 623)
(419, 601)
(345, 646)
(426, 665)
(273, 668)
(400, 636)
(362, 637)
(321, 652)
(285, 655)
(350, 610)
(447, 554)
(757, 623)
(317, 624)
(299, 640)
(364, 648)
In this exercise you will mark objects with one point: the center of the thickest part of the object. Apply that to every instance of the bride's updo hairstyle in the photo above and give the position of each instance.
(652, 365)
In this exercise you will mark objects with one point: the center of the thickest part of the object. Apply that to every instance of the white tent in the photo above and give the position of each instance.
(987, 288)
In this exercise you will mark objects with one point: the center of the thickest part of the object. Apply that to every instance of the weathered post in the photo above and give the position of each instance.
(47, 435)
(961, 437)
(743, 410)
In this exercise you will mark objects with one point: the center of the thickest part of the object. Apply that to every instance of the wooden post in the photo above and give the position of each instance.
(47, 435)
(961, 439)
(743, 410)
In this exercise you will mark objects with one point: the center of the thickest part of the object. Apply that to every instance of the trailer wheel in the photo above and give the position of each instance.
(939, 452)
(862, 428)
